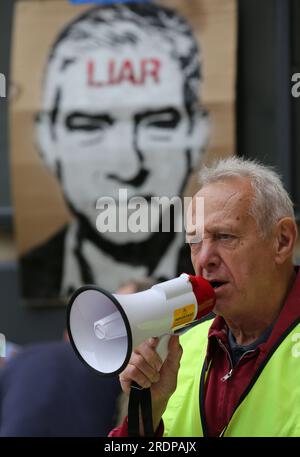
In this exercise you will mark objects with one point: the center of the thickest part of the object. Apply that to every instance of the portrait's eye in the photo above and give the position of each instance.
(168, 119)
(158, 125)
(88, 122)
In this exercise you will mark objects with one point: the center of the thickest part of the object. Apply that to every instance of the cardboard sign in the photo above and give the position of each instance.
(117, 100)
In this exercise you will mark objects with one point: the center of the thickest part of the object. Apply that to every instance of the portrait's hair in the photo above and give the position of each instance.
(271, 201)
(119, 25)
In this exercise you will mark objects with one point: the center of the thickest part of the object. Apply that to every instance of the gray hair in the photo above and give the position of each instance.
(271, 201)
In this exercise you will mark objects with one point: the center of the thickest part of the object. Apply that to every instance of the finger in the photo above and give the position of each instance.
(143, 366)
(149, 371)
(148, 351)
(132, 373)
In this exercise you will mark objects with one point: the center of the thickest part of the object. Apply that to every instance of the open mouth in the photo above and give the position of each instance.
(217, 284)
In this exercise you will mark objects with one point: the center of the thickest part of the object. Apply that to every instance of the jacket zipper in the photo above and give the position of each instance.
(229, 374)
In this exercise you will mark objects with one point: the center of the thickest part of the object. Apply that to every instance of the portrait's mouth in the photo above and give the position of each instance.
(119, 201)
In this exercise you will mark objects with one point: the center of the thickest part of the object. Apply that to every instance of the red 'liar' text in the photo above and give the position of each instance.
(117, 73)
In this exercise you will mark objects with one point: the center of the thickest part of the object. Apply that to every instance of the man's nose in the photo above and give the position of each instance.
(208, 257)
(135, 173)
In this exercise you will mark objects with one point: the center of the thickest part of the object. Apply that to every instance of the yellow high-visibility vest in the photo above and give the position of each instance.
(269, 407)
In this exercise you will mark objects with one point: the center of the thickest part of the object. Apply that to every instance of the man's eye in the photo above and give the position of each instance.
(226, 238)
(88, 122)
(195, 247)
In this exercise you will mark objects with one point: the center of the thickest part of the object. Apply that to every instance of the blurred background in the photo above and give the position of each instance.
(249, 51)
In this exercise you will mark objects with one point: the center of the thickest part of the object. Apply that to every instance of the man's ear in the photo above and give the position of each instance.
(285, 239)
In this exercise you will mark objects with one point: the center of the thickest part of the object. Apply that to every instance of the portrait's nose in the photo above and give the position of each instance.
(134, 174)
(208, 258)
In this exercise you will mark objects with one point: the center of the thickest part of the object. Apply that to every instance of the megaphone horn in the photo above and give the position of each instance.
(104, 327)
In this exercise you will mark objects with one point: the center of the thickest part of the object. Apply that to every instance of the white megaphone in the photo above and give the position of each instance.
(104, 328)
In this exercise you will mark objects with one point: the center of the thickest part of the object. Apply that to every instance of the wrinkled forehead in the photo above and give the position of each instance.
(221, 203)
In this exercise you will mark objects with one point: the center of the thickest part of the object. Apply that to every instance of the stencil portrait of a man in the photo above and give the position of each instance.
(120, 110)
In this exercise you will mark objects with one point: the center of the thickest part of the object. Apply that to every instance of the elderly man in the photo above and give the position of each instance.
(245, 362)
